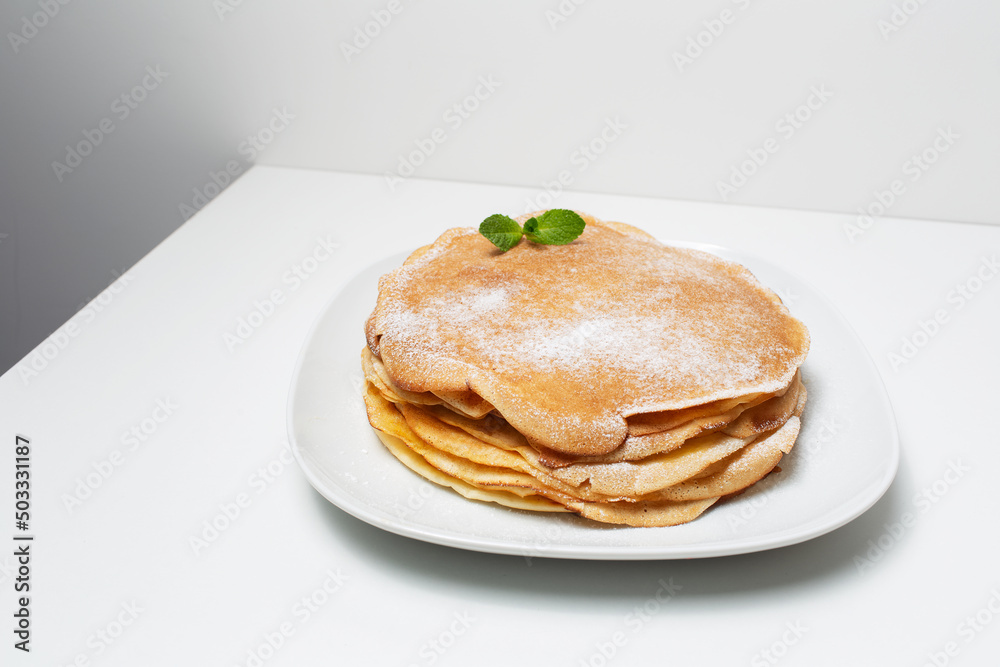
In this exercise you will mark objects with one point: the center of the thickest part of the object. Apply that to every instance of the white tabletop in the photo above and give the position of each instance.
(147, 385)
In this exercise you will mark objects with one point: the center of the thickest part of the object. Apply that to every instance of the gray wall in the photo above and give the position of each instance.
(69, 234)
(285, 73)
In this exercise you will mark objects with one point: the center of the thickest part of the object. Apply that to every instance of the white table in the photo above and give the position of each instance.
(146, 386)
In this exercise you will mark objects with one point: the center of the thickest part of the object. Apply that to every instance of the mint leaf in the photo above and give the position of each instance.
(503, 232)
(557, 226)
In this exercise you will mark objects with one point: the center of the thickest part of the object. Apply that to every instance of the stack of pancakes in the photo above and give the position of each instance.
(615, 377)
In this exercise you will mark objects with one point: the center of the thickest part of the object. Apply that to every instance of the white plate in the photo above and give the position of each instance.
(843, 461)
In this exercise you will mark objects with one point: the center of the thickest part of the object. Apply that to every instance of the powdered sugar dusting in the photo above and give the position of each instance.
(566, 341)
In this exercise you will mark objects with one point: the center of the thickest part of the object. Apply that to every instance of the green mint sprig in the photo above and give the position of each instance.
(557, 226)
(503, 232)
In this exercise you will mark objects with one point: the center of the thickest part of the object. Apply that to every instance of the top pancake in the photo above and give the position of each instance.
(565, 342)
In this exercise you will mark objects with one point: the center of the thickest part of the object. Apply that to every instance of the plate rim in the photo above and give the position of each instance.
(400, 526)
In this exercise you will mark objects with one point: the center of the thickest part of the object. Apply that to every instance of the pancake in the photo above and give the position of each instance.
(603, 483)
(496, 485)
(397, 446)
(569, 342)
(614, 377)
(764, 412)
(491, 479)
(740, 470)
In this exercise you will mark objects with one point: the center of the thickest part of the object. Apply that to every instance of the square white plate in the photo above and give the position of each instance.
(843, 461)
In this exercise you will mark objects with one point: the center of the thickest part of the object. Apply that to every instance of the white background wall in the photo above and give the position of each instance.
(229, 70)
